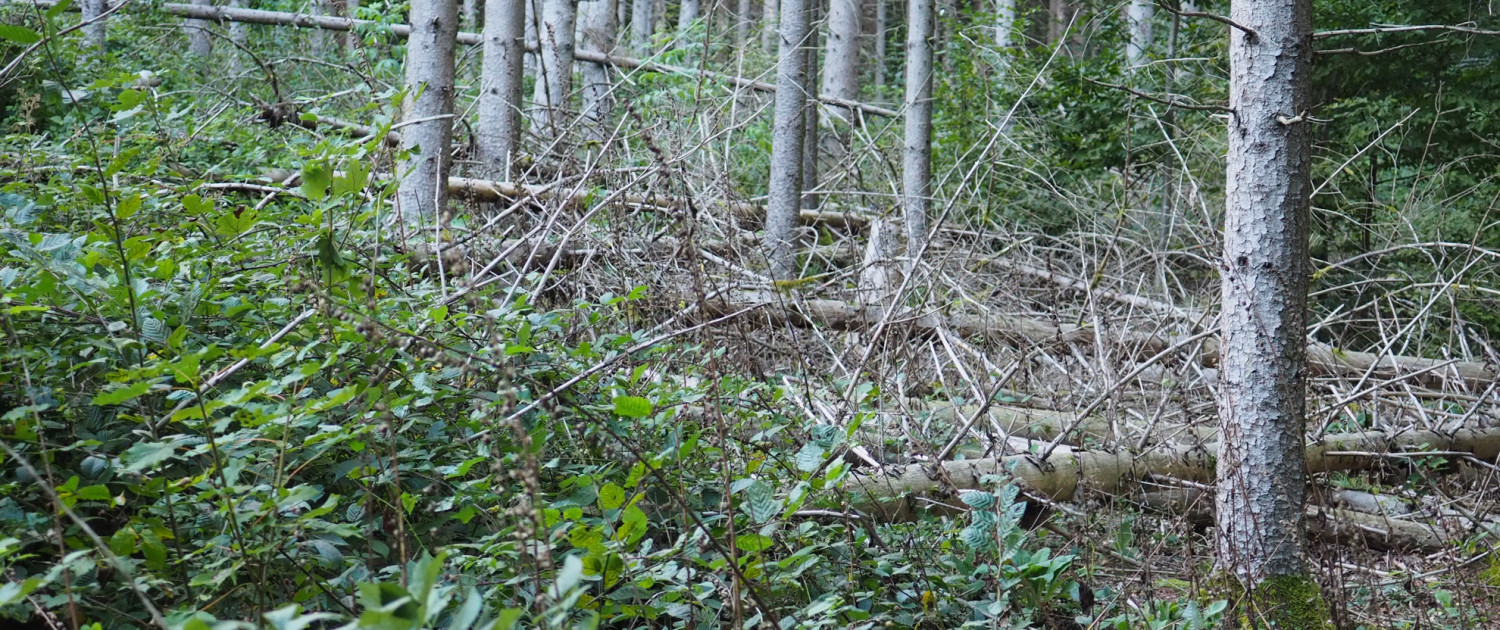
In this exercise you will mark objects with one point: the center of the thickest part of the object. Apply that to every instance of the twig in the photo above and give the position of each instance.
(1156, 99)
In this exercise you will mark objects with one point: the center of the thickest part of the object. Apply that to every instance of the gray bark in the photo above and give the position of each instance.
(199, 44)
(641, 23)
(882, 29)
(810, 135)
(499, 131)
(555, 71)
(423, 192)
(687, 13)
(351, 39)
(1005, 23)
(785, 186)
(529, 23)
(596, 31)
(841, 66)
(470, 13)
(1057, 19)
(742, 22)
(93, 33)
(1139, 15)
(916, 151)
(1261, 472)
(770, 13)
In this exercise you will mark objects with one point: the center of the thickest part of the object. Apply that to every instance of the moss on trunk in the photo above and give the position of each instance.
(1283, 602)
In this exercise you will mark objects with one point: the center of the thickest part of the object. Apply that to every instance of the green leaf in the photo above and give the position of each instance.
(315, 180)
(57, 9)
(123, 542)
(235, 223)
(128, 206)
(193, 204)
(356, 174)
(143, 455)
(95, 493)
(632, 406)
(753, 542)
(19, 34)
(123, 394)
(633, 524)
(761, 501)
(611, 496)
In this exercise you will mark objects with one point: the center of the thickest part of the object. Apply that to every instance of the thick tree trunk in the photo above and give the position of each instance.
(642, 21)
(498, 134)
(841, 67)
(785, 186)
(1139, 15)
(199, 43)
(1262, 474)
(429, 109)
(596, 28)
(93, 32)
(916, 151)
(769, 14)
(1005, 23)
(555, 72)
(687, 13)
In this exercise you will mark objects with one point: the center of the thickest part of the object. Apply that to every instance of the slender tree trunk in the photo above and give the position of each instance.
(641, 23)
(742, 22)
(555, 72)
(882, 30)
(1139, 14)
(596, 28)
(785, 186)
(810, 131)
(351, 39)
(916, 151)
(530, 24)
(841, 68)
(1057, 20)
(1262, 473)
(199, 44)
(1005, 23)
(93, 33)
(687, 13)
(428, 108)
(470, 13)
(498, 134)
(770, 13)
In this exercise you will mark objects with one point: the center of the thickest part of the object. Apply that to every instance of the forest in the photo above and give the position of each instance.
(761, 314)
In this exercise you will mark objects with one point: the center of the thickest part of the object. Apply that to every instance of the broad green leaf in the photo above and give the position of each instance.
(94, 493)
(632, 406)
(761, 502)
(236, 222)
(143, 455)
(193, 204)
(57, 9)
(123, 394)
(315, 180)
(611, 496)
(128, 206)
(752, 543)
(19, 34)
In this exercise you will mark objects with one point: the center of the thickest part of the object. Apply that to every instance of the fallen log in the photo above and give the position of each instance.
(894, 492)
(335, 23)
(1330, 523)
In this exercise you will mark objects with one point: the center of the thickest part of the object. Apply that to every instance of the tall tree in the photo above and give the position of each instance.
(743, 20)
(1262, 472)
(770, 12)
(554, 77)
(784, 200)
(810, 139)
(428, 108)
(642, 21)
(1005, 23)
(596, 28)
(687, 13)
(470, 13)
(1139, 14)
(841, 65)
(882, 30)
(1057, 20)
(499, 130)
(351, 39)
(916, 150)
(199, 44)
(93, 18)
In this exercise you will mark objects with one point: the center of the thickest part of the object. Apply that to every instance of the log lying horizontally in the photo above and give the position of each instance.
(335, 23)
(1331, 523)
(894, 493)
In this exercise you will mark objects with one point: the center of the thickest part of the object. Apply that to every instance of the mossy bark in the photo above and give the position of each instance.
(1282, 602)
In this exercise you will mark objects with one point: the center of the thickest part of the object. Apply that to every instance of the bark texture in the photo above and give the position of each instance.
(743, 20)
(770, 13)
(1262, 474)
(554, 77)
(1005, 23)
(596, 29)
(882, 29)
(841, 66)
(199, 44)
(1139, 14)
(916, 150)
(429, 106)
(687, 13)
(642, 20)
(811, 113)
(785, 186)
(499, 131)
(93, 32)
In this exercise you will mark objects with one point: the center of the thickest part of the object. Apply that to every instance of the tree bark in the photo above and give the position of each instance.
(199, 44)
(498, 135)
(351, 39)
(810, 130)
(916, 151)
(596, 27)
(555, 71)
(532, 46)
(770, 13)
(742, 22)
(882, 30)
(1057, 20)
(1139, 15)
(785, 186)
(94, 31)
(470, 13)
(1262, 474)
(1005, 23)
(641, 23)
(841, 67)
(687, 13)
(428, 106)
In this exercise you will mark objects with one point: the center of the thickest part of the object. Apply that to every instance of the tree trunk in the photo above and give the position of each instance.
(687, 13)
(555, 71)
(1057, 20)
(785, 186)
(199, 44)
(498, 134)
(770, 13)
(841, 67)
(1139, 15)
(596, 27)
(1005, 23)
(916, 152)
(93, 33)
(530, 24)
(882, 30)
(1262, 474)
(470, 13)
(429, 106)
(641, 23)
(351, 39)
(810, 130)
